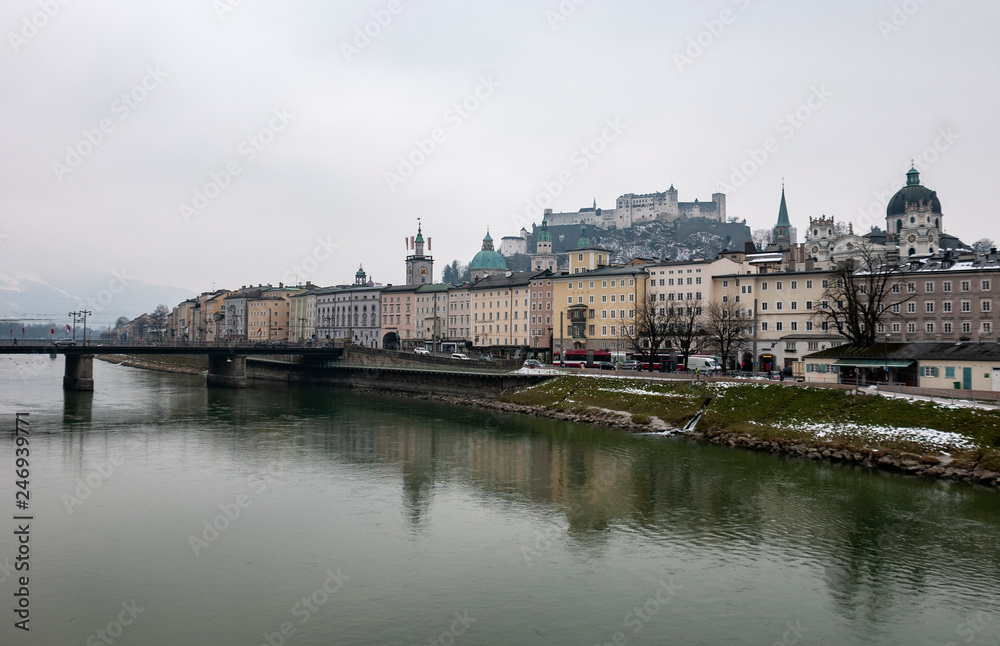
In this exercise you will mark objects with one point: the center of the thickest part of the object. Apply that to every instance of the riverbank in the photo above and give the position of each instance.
(920, 438)
(184, 365)
(933, 440)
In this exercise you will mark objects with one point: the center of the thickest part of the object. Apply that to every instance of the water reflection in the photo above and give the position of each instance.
(883, 547)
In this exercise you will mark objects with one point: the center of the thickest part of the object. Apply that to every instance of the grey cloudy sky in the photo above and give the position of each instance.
(115, 114)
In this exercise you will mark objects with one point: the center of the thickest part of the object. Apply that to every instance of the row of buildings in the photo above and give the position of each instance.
(946, 294)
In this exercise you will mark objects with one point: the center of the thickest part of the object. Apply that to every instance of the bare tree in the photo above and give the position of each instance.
(762, 237)
(863, 291)
(651, 329)
(686, 330)
(727, 327)
(121, 322)
(158, 319)
(983, 246)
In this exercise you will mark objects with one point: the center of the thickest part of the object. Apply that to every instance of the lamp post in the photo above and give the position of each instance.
(84, 313)
(886, 348)
(74, 315)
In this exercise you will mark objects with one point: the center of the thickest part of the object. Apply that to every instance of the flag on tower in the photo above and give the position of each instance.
(67, 327)
(429, 243)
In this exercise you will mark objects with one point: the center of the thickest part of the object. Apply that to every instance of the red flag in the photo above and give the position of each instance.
(52, 331)
(67, 327)
(413, 242)
(406, 241)
(429, 243)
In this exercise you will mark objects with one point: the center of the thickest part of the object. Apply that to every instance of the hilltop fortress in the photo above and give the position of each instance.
(633, 209)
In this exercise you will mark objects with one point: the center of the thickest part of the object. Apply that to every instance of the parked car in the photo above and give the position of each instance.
(459, 355)
(631, 365)
(533, 363)
(605, 365)
(421, 350)
(485, 357)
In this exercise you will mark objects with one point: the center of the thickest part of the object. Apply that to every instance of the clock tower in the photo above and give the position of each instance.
(419, 267)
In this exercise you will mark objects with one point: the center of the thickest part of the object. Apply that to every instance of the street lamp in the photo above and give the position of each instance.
(886, 347)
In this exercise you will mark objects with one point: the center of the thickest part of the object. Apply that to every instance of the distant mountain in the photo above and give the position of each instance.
(27, 295)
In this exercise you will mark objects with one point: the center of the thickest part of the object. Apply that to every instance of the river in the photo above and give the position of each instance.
(166, 513)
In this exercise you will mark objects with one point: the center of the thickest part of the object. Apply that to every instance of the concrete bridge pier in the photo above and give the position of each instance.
(227, 371)
(79, 373)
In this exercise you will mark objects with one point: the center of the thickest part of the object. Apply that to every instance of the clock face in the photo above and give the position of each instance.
(815, 249)
(423, 271)
(912, 238)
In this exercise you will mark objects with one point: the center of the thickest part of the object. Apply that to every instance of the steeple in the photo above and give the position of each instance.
(913, 177)
(488, 241)
(360, 278)
(418, 242)
(783, 210)
(543, 233)
(584, 241)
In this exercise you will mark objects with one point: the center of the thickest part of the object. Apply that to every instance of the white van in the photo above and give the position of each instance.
(461, 356)
(702, 364)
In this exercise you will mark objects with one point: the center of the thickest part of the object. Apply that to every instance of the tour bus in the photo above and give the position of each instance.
(576, 358)
(662, 360)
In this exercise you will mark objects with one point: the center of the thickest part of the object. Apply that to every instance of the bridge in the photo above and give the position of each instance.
(227, 365)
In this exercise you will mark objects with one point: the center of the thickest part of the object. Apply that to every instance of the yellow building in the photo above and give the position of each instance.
(594, 305)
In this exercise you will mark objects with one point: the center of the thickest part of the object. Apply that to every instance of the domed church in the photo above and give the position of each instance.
(914, 219)
(487, 262)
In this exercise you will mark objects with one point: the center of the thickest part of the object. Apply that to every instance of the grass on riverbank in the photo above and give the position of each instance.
(816, 416)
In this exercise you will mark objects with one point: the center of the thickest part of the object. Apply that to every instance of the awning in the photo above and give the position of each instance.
(874, 363)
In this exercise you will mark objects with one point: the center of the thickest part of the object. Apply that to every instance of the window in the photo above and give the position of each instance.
(911, 308)
(795, 284)
(809, 326)
(929, 288)
(986, 305)
(946, 286)
(966, 286)
(809, 284)
(763, 307)
(946, 306)
(966, 306)
(725, 283)
(795, 326)
(825, 283)
(911, 288)
(895, 328)
(929, 307)
(778, 327)
(895, 289)
(911, 328)
(949, 372)
(777, 285)
(947, 327)
(966, 327)
(592, 284)
(987, 327)
(778, 306)
(813, 346)
(763, 286)
(795, 305)
(809, 305)
(986, 285)
(763, 326)
(930, 328)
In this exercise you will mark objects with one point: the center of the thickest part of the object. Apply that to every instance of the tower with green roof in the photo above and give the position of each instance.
(419, 267)
(543, 257)
(782, 238)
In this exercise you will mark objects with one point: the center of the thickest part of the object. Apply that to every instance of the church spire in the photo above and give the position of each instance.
(783, 210)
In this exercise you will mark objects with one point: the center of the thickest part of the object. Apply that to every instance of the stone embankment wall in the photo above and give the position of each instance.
(400, 379)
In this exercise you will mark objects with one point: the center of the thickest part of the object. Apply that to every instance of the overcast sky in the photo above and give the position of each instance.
(292, 126)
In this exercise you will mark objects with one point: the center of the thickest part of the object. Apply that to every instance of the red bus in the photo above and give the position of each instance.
(576, 358)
